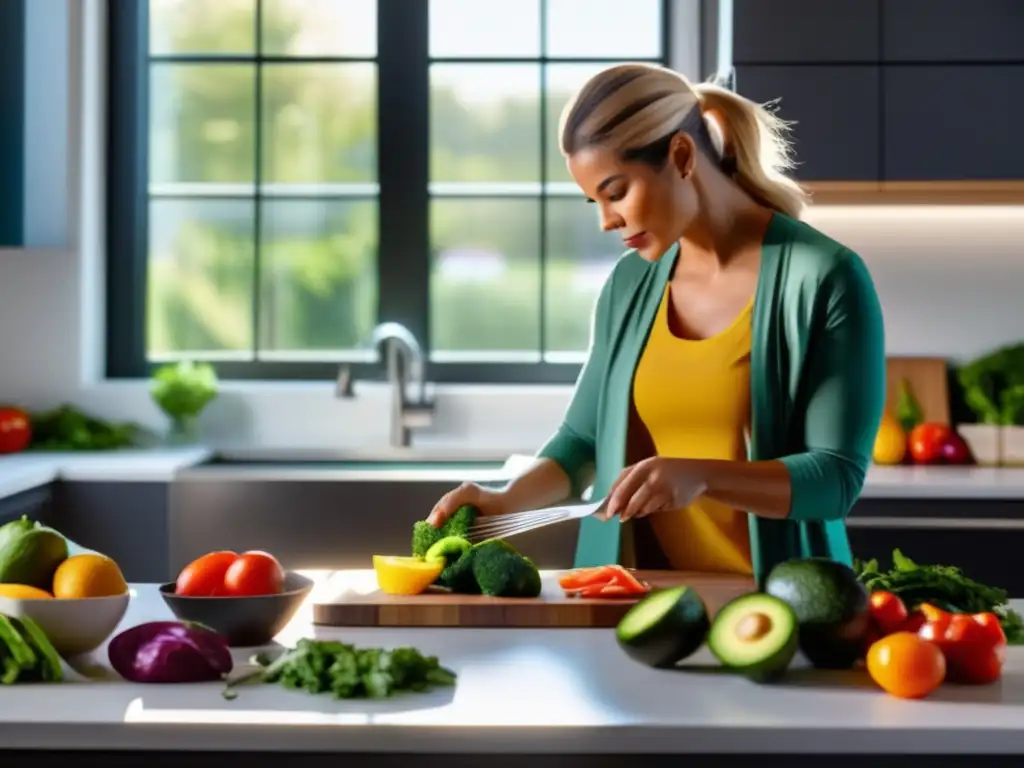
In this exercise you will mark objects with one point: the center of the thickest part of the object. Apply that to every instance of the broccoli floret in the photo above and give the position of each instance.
(460, 523)
(425, 535)
(500, 571)
(459, 578)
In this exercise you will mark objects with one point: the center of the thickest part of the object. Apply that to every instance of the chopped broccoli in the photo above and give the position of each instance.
(425, 535)
(500, 571)
(460, 523)
(458, 577)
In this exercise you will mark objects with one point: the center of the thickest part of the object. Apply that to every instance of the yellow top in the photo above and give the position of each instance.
(693, 397)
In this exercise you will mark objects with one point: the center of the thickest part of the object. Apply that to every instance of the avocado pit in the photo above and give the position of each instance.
(753, 627)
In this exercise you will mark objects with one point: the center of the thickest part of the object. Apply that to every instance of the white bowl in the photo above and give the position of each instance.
(72, 626)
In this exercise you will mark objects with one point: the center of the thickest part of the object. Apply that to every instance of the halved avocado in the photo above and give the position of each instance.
(756, 635)
(664, 627)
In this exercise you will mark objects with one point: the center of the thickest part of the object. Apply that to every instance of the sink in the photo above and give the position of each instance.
(333, 509)
(473, 463)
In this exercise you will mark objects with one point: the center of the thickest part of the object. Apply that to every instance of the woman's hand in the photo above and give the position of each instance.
(486, 500)
(654, 485)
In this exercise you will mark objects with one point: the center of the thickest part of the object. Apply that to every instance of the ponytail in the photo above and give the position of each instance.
(755, 147)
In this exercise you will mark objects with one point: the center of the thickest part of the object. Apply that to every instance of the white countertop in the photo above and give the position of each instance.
(944, 483)
(524, 691)
(24, 471)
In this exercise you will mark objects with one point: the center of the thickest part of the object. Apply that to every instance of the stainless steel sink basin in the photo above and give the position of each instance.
(416, 463)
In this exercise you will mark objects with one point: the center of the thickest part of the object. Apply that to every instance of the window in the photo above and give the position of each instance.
(285, 174)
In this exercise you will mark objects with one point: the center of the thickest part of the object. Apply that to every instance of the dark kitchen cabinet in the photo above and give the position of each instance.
(955, 122)
(34, 504)
(836, 110)
(951, 31)
(805, 31)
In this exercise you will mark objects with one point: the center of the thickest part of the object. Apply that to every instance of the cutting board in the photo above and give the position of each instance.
(929, 381)
(552, 609)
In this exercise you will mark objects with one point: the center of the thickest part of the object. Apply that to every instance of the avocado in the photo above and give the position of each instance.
(30, 553)
(831, 606)
(664, 627)
(756, 635)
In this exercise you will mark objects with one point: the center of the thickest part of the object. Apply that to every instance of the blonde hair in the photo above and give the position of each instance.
(635, 109)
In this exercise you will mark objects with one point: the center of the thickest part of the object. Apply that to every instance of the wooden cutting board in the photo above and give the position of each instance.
(552, 609)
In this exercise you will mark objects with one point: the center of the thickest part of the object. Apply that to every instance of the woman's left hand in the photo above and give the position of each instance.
(654, 485)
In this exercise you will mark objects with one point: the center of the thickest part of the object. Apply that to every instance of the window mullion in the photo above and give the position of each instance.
(403, 130)
(127, 209)
(257, 178)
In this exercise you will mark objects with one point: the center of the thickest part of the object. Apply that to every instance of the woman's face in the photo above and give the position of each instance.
(649, 207)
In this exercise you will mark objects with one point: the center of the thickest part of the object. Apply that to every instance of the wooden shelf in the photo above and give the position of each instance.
(917, 192)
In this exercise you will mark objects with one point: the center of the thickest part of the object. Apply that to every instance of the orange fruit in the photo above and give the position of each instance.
(88, 575)
(24, 592)
(906, 666)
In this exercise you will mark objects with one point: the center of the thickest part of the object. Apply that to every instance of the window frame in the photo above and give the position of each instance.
(404, 194)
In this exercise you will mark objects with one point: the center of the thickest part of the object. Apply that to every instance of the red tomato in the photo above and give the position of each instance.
(204, 576)
(888, 612)
(15, 430)
(254, 573)
(915, 621)
(926, 441)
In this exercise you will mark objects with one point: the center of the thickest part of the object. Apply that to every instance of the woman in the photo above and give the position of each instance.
(736, 374)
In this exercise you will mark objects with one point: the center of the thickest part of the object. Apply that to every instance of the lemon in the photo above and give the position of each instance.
(405, 575)
(890, 442)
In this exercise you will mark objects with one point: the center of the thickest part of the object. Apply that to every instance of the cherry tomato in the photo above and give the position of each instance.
(906, 666)
(915, 621)
(15, 430)
(926, 441)
(254, 573)
(888, 612)
(204, 576)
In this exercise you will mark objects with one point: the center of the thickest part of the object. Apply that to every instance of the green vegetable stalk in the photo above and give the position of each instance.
(182, 390)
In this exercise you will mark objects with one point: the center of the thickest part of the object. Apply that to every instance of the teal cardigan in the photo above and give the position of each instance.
(818, 387)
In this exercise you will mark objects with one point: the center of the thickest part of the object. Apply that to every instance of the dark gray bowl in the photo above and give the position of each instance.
(244, 621)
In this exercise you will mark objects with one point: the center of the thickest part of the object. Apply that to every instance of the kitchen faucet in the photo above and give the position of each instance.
(405, 363)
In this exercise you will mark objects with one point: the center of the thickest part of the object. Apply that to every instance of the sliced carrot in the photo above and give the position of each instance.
(616, 590)
(628, 581)
(582, 577)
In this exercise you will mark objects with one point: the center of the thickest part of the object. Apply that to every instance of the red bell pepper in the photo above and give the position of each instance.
(974, 644)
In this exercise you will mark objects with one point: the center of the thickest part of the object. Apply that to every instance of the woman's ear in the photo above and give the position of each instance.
(682, 153)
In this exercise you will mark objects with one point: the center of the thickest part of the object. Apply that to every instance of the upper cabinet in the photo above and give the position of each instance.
(838, 137)
(889, 90)
(963, 32)
(805, 32)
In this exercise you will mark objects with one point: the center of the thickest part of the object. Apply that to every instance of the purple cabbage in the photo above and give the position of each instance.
(170, 652)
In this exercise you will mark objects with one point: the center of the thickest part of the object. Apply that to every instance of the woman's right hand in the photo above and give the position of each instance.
(486, 500)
